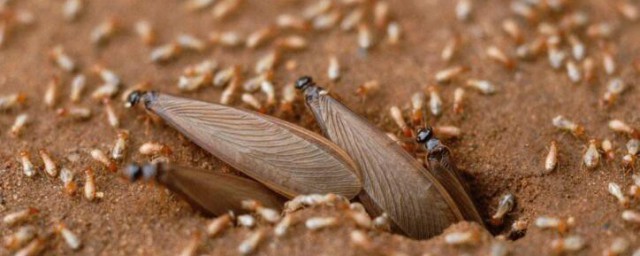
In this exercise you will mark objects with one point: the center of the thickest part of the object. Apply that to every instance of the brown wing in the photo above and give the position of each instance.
(284, 157)
(216, 193)
(392, 178)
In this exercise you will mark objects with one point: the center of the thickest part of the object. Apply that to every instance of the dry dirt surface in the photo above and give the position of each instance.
(502, 149)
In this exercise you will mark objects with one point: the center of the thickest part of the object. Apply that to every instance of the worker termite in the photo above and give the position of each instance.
(286, 21)
(333, 72)
(435, 102)
(266, 87)
(557, 224)
(198, 5)
(253, 84)
(246, 220)
(352, 19)
(504, 206)
(483, 86)
(22, 236)
(462, 238)
(368, 88)
(567, 244)
(417, 111)
(608, 63)
(551, 161)
(573, 72)
(602, 30)
(382, 222)
(260, 37)
(556, 57)
(192, 246)
(189, 83)
(90, 185)
(228, 39)
(18, 125)
(381, 14)
(227, 95)
(67, 177)
(615, 190)
(591, 157)
(107, 76)
(446, 75)
(619, 126)
(267, 62)
(223, 76)
(71, 9)
(69, 237)
(532, 49)
(251, 243)
(512, 28)
(589, 67)
(447, 131)
(146, 32)
(463, 9)
(360, 239)
(631, 216)
(49, 165)
(326, 21)
(267, 214)
(565, 124)
(498, 55)
(165, 53)
(628, 160)
(118, 151)
(292, 43)
(216, 226)
(577, 47)
(51, 95)
(101, 157)
(252, 101)
(615, 87)
(281, 228)
(394, 32)
(365, 37)
(628, 10)
(396, 115)
(35, 247)
(317, 8)
(607, 148)
(225, 8)
(361, 218)
(190, 42)
(78, 113)
(61, 59)
(104, 31)
(152, 148)
(20, 216)
(316, 223)
(619, 246)
(77, 87)
(450, 49)
(112, 117)
(27, 166)
(12, 100)
(288, 97)
(458, 98)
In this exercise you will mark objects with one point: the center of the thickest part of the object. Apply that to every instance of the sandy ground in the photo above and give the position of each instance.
(503, 147)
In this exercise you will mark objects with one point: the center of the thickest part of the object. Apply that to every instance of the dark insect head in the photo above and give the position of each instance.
(304, 82)
(133, 98)
(133, 172)
(424, 135)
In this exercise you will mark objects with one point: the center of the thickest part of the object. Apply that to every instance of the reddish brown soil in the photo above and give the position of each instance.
(505, 139)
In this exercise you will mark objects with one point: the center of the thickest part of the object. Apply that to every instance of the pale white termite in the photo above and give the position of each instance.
(225, 8)
(352, 19)
(78, 113)
(417, 105)
(556, 57)
(394, 32)
(50, 166)
(252, 242)
(362, 219)
(12, 100)
(511, 27)
(71, 239)
(90, 185)
(316, 223)
(152, 148)
(20, 216)
(567, 244)
(118, 151)
(633, 147)
(60, 57)
(145, 31)
(450, 49)
(573, 71)
(67, 177)
(622, 127)
(365, 38)
(463, 10)
(615, 190)
(619, 246)
(317, 8)
(396, 115)
(523, 10)
(615, 87)
(589, 68)
(35, 247)
(286, 21)
(360, 239)
(288, 97)
(101, 157)
(334, 69)
(608, 63)
(368, 88)
(228, 39)
(27, 166)
(260, 37)
(192, 245)
(252, 101)
(447, 131)
(327, 20)
(189, 83)
(551, 161)
(190, 42)
(51, 94)
(545, 222)
(381, 14)
(267, 62)
(382, 222)
(108, 76)
(483, 86)
(22, 236)
(112, 116)
(218, 225)
(267, 88)
(18, 125)
(565, 124)
(292, 43)
(602, 30)
(77, 87)
(631, 216)
(462, 237)
(458, 98)
(578, 48)
(227, 95)
(505, 205)
(607, 148)
(71, 9)
(246, 220)
(104, 31)
(165, 53)
(498, 55)
(446, 75)
(591, 157)
(532, 49)
(435, 102)
(628, 10)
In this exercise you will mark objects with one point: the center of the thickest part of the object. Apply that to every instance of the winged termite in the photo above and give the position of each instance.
(393, 181)
(211, 192)
(286, 158)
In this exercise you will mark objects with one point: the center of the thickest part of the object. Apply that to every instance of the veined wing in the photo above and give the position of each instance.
(284, 157)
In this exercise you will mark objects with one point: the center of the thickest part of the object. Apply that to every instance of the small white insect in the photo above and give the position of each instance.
(252, 101)
(334, 69)
(267, 62)
(90, 185)
(316, 223)
(556, 57)
(165, 53)
(19, 216)
(615, 190)
(152, 148)
(101, 157)
(63, 60)
(50, 166)
(218, 225)
(463, 9)
(631, 216)
(189, 42)
(498, 55)
(27, 165)
(319, 7)
(225, 8)
(352, 19)
(394, 32)
(365, 38)
(260, 37)
(578, 48)
(565, 124)
(483, 86)
(22, 236)
(281, 228)
(622, 127)
(591, 157)
(326, 21)
(112, 117)
(79, 113)
(458, 98)
(286, 21)
(51, 95)
(11, 100)
(252, 242)
(145, 31)
(462, 238)
(71, 9)
(396, 115)
(292, 43)
(446, 75)
(228, 39)
(104, 31)
(608, 63)
(77, 87)
(69, 237)
(573, 72)
(568, 244)
(435, 102)
(118, 151)
(18, 125)
(246, 220)
(551, 161)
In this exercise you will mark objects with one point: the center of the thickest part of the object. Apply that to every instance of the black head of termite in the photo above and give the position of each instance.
(424, 135)
(304, 82)
(135, 172)
(136, 96)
